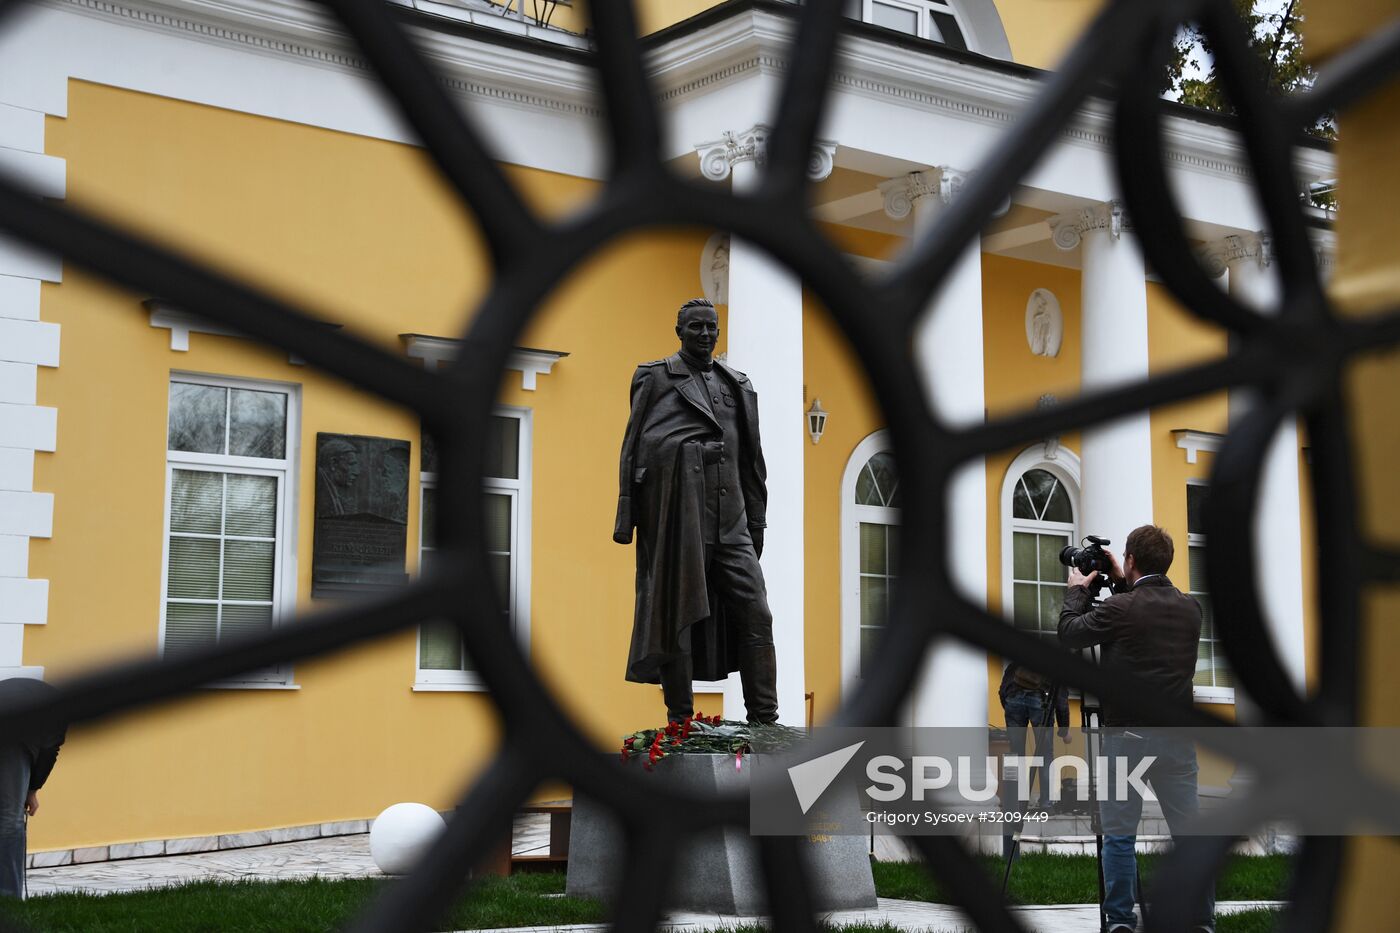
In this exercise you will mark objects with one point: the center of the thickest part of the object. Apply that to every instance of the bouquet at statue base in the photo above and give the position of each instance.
(704, 735)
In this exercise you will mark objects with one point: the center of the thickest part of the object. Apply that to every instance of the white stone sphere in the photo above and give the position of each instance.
(402, 835)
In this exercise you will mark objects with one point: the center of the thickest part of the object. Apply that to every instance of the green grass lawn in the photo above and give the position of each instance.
(1251, 921)
(1073, 879)
(310, 906)
(314, 906)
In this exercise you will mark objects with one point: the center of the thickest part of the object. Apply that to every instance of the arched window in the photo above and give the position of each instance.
(1039, 509)
(870, 508)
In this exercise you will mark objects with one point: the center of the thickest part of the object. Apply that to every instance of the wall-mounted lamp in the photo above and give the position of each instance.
(816, 420)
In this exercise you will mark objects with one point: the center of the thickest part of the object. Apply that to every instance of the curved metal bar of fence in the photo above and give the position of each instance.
(1294, 359)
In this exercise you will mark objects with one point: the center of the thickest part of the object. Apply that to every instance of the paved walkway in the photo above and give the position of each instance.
(912, 916)
(334, 857)
(348, 857)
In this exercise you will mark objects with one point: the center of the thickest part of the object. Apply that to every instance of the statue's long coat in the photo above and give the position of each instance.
(662, 495)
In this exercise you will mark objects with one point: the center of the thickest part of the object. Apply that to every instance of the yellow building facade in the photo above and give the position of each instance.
(251, 140)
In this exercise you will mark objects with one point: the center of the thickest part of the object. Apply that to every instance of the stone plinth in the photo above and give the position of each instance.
(719, 871)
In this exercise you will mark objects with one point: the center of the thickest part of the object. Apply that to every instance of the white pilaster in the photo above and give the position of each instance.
(26, 343)
(765, 341)
(952, 688)
(1278, 533)
(1116, 457)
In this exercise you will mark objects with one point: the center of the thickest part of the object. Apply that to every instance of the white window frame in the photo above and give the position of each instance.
(1224, 695)
(519, 490)
(922, 10)
(284, 583)
(1066, 468)
(851, 518)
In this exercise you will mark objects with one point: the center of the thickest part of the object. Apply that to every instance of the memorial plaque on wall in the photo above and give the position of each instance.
(361, 514)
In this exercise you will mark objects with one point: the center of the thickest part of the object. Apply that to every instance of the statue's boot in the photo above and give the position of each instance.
(676, 688)
(758, 672)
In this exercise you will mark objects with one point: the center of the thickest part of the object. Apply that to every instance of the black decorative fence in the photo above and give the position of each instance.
(1293, 359)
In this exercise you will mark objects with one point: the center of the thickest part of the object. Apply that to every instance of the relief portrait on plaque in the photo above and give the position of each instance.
(361, 514)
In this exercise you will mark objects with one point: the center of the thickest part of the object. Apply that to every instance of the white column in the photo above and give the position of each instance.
(952, 688)
(765, 341)
(1116, 458)
(1277, 528)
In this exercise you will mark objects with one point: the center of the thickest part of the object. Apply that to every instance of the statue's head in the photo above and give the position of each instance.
(697, 324)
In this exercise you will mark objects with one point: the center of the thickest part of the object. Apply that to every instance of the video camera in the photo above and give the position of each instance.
(1089, 558)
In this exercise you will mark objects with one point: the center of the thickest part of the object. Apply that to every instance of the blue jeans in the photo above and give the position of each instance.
(1173, 779)
(1026, 708)
(14, 788)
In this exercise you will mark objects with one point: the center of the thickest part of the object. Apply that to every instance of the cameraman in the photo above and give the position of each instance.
(1149, 629)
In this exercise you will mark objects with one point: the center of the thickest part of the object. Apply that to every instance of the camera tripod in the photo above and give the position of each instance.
(1091, 724)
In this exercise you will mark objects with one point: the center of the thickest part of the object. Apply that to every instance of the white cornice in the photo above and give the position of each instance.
(1193, 442)
(181, 324)
(301, 31)
(756, 42)
(696, 62)
(528, 361)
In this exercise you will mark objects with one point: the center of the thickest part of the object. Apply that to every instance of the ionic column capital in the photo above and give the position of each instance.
(902, 193)
(718, 158)
(1232, 249)
(1068, 229)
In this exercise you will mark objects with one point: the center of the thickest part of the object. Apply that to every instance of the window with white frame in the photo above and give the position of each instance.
(1042, 523)
(876, 514)
(229, 450)
(935, 20)
(442, 659)
(1213, 680)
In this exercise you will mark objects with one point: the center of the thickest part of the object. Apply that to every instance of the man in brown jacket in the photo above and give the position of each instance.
(1149, 629)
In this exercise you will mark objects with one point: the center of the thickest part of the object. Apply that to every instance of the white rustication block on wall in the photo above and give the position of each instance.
(29, 342)
(21, 128)
(14, 555)
(11, 644)
(19, 298)
(23, 602)
(26, 513)
(16, 469)
(30, 427)
(18, 383)
(43, 175)
(34, 671)
(20, 259)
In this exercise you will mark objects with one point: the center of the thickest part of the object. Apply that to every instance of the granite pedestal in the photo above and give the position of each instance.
(719, 870)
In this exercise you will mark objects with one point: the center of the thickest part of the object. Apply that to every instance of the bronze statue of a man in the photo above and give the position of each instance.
(693, 485)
